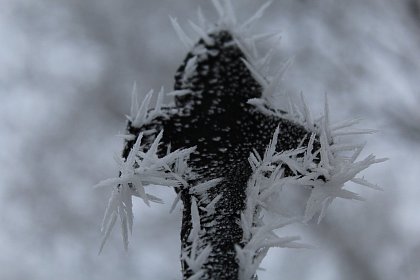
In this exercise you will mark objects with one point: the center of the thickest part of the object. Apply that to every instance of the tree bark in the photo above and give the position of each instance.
(215, 117)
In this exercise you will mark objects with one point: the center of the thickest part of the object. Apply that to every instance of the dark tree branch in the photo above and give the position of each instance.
(216, 118)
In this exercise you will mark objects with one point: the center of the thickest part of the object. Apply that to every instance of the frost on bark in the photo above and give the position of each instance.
(227, 150)
(214, 116)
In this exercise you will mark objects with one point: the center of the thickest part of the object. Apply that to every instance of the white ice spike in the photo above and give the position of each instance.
(139, 170)
(183, 37)
(258, 14)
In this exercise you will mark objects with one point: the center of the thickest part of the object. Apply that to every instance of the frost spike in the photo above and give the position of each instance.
(134, 102)
(152, 198)
(183, 37)
(205, 186)
(107, 232)
(355, 132)
(219, 8)
(141, 192)
(151, 152)
(127, 137)
(196, 275)
(142, 111)
(327, 118)
(202, 257)
(253, 48)
(345, 147)
(345, 124)
(257, 15)
(180, 92)
(242, 44)
(266, 36)
(306, 112)
(195, 219)
(159, 101)
(108, 212)
(126, 195)
(108, 182)
(280, 242)
(325, 149)
(349, 195)
(271, 148)
(357, 152)
(379, 160)
(211, 206)
(363, 182)
(200, 31)
(327, 201)
(190, 68)
(195, 261)
(124, 231)
(265, 60)
(230, 16)
(201, 19)
(269, 90)
(137, 170)
(260, 104)
(261, 80)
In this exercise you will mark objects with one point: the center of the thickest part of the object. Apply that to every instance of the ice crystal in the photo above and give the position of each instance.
(137, 171)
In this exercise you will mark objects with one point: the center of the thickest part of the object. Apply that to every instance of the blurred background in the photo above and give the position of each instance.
(66, 73)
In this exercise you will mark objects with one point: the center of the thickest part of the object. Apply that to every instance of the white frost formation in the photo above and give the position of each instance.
(195, 255)
(141, 169)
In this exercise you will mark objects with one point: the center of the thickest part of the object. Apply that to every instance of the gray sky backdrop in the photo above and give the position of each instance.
(66, 72)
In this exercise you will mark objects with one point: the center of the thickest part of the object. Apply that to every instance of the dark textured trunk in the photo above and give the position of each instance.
(216, 118)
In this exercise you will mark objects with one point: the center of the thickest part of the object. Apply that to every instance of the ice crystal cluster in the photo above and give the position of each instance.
(228, 147)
